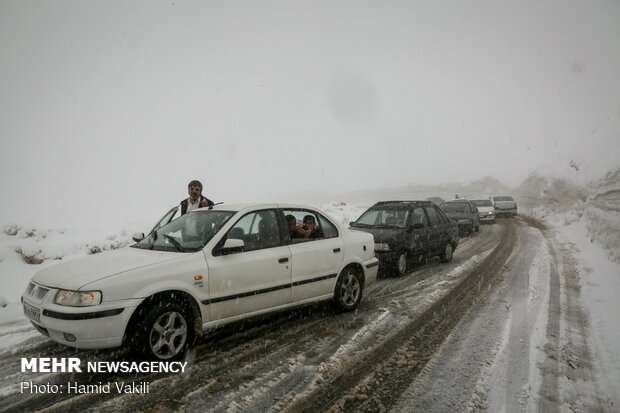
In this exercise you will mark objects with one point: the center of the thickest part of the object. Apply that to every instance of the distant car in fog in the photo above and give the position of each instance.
(407, 231)
(486, 212)
(504, 205)
(464, 213)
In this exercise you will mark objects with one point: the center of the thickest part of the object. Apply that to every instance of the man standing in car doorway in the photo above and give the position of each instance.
(196, 199)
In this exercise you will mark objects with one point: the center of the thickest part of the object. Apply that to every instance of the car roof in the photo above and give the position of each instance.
(401, 202)
(455, 200)
(252, 206)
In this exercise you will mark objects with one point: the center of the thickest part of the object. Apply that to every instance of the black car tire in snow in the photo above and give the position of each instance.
(446, 255)
(165, 332)
(477, 228)
(348, 291)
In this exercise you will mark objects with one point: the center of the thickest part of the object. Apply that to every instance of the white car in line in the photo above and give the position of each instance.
(206, 268)
(486, 211)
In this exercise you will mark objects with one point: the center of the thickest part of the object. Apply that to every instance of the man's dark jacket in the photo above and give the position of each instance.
(185, 203)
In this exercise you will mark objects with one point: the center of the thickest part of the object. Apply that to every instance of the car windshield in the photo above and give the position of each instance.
(482, 203)
(396, 217)
(188, 233)
(503, 198)
(454, 207)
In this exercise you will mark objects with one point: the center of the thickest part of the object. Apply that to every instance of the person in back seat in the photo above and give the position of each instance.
(295, 229)
(311, 227)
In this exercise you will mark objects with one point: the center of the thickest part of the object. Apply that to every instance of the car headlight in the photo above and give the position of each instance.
(382, 246)
(77, 298)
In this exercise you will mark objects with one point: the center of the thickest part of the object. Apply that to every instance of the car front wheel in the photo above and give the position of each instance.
(165, 333)
(348, 291)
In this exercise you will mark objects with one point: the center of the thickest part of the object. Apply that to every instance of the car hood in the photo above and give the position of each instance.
(382, 234)
(73, 274)
(485, 209)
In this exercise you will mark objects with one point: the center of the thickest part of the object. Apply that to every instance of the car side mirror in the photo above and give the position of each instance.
(351, 223)
(233, 245)
(138, 236)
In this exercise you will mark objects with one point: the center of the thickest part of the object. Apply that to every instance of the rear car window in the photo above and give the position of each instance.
(482, 202)
(503, 198)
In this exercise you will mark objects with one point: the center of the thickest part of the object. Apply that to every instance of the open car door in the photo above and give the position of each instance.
(173, 213)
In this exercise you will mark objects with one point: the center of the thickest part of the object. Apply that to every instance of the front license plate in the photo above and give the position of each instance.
(32, 313)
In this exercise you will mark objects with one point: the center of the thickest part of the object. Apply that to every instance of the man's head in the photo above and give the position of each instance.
(292, 221)
(309, 221)
(194, 189)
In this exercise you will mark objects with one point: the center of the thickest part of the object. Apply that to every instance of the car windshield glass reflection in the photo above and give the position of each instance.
(482, 203)
(455, 207)
(386, 217)
(189, 233)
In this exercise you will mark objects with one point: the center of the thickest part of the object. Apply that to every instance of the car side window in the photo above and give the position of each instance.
(258, 230)
(418, 217)
(442, 218)
(305, 225)
(329, 229)
(433, 216)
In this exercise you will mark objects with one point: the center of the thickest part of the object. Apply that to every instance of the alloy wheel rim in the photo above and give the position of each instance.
(168, 335)
(350, 288)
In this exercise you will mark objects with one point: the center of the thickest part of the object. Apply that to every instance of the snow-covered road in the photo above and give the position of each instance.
(498, 328)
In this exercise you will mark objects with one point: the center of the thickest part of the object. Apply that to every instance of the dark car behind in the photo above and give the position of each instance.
(464, 213)
(408, 231)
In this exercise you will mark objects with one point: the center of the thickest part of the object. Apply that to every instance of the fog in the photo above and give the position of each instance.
(108, 109)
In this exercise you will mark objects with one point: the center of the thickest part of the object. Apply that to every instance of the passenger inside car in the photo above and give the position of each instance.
(311, 226)
(295, 229)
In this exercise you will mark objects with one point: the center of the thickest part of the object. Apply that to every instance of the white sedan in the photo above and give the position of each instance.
(206, 268)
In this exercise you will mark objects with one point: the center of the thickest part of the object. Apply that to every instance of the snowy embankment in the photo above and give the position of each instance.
(586, 220)
(26, 250)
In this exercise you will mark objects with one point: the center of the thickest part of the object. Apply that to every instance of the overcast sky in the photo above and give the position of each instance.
(111, 107)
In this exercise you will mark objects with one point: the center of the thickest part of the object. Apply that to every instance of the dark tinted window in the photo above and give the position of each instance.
(433, 216)
(503, 198)
(455, 207)
(418, 217)
(395, 216)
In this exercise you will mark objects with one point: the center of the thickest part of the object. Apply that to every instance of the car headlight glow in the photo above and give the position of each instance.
(77, 298)
(382, 246)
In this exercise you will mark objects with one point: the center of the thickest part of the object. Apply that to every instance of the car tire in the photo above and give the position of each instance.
(164, 334)
(477, 228)
(348, 291)
(446, 255)
(402, 264)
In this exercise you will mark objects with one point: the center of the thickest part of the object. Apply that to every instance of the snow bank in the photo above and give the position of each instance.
(563, 202)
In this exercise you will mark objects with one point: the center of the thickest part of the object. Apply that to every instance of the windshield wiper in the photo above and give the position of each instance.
(153, 237)
(174, 242)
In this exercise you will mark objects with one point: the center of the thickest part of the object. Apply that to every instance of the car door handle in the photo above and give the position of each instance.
(336, 250)
(283, 260)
